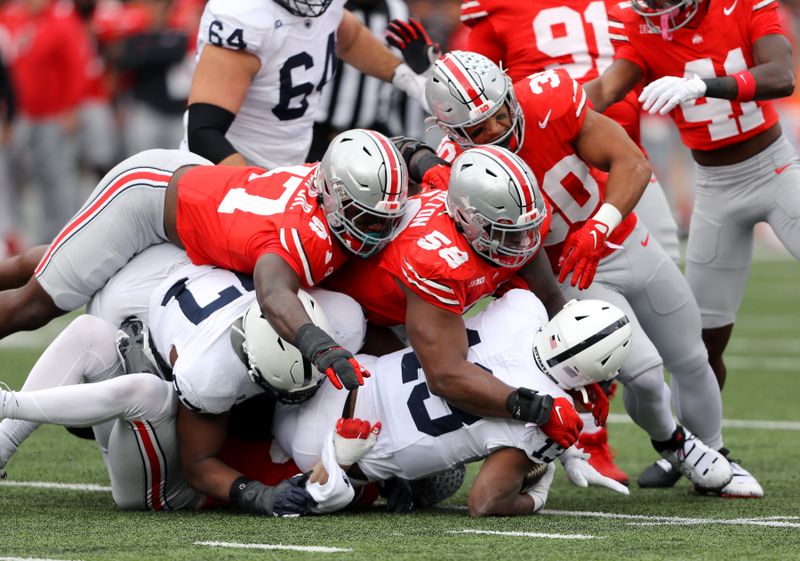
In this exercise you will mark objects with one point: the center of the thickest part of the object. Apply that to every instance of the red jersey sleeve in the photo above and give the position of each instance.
(552, 102)
(621, 18)
(765, 20)
(472, 12)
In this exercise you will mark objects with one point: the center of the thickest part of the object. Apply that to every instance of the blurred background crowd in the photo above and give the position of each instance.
(86, 83)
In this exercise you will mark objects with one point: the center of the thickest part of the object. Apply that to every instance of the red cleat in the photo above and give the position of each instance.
(601, 455)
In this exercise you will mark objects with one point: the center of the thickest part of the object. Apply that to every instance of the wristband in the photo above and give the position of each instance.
(238, 487)
(746, 84)
(609, 216)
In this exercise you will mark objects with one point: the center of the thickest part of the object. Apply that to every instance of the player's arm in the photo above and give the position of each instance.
(604, 144)
(277, 284)
(358, 47)
(200, 439)
(613, 84)
(497, 489)
(539, 276)
(771, 77)
(213, 108)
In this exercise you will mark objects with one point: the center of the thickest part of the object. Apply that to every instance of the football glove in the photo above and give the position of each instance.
(581, 473)
(289, 498)
(529, 405)
(352, 439)
(666, 93)
(410, 37)
(596, 401)
(564, 425)
(328, 357)
(582, 252)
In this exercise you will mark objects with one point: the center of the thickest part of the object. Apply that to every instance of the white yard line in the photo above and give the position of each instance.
(762, 365)
(307, 548)
(30, 559)
(527, 534)
(644, 520)
(50, 485)
(620, 419)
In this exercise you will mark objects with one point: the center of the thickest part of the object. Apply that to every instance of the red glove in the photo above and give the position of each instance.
(582, 251)
(564, 425)
(597, 404)
(353, 439)
(437, 177)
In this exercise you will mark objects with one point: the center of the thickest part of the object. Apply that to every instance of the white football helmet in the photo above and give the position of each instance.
(464, 89)
(305, 8)
(495, 199)
(275, 364)
(363, 182)
(586, 342)
(665, 16)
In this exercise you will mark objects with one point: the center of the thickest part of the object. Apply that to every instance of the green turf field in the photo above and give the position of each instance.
(763, 387)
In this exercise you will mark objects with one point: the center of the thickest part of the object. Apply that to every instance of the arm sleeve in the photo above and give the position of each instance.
(765, 20)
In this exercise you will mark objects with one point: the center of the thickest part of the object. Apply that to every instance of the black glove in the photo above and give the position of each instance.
(398, 495)
(410, 37)
(288, 498)
(527, 405)
(425, 159)
(329, 357)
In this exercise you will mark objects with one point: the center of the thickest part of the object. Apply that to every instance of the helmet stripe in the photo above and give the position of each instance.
(527, 191)
(395, 170)
(468, 88)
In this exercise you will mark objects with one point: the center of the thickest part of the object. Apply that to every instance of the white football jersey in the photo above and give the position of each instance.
(192, 311)
(423, 434)
(298, 57)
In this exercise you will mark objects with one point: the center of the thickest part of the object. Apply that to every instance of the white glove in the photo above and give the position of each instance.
(668, 92)
(581, 473)
(352, 439)
(541, 488)
(412, 83)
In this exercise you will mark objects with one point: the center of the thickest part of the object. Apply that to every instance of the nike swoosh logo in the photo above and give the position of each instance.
(646, 240)
(558, 412)
(543, 124)
(781, 169)
(729, 11)
(594, 235)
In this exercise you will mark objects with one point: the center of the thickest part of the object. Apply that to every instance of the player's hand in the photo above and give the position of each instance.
(666, 93)
(336, 362)
(352, 439)
(582, 252)
(410, 37)
(581, 473)
(564, 425)
(597, 402)
(436, 177)
(291, 497)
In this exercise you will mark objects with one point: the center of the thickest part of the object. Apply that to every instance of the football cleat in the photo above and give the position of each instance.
(706, 468)
(601, 455)
(133, 348)
(742, 486)
(430, 491)
(659, 475)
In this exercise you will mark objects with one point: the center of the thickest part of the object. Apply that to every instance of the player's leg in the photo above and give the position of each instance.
(655, 213)
(84, 351)
(123, 216)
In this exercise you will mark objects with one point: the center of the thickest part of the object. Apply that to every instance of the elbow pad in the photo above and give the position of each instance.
(205, 131)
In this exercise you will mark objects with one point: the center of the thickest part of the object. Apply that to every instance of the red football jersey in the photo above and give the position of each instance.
(529, 37)
(431, 258)
(719, 43)
(554, 106)
(230, 216)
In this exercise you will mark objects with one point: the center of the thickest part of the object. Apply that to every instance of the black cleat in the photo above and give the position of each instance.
(659, 475)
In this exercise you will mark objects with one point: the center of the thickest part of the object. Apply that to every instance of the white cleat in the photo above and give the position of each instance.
(706, 468)
(742, 486)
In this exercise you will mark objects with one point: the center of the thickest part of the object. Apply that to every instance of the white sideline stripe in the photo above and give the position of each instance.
(771, 521)
(307, 548)
(785, 345)
(620, 419)
(527, 534)
(761, 365)
(30, 559)
(50, 485)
